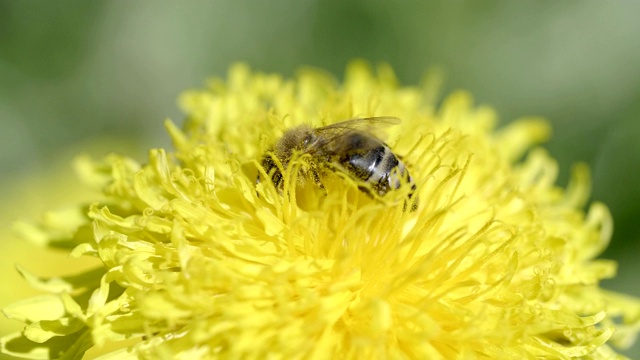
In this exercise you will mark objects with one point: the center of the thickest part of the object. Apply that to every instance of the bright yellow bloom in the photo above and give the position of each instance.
(198, 262)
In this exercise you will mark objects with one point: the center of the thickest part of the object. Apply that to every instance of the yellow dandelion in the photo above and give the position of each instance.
(198, 261)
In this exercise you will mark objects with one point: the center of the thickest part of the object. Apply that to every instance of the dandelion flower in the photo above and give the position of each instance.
(197, 261)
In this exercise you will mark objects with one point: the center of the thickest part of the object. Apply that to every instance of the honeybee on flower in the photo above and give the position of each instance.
(350, 147)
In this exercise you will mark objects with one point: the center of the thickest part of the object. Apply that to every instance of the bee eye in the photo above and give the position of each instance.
(307, 140)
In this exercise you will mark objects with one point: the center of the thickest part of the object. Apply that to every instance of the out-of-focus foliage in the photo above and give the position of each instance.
(73, 71)
(32, 195)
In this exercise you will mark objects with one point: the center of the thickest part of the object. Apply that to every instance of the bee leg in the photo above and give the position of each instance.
(272, 171)
(366, 190)
(415, 201)
(265, 166)
(316, 180)
(276, 178)
(257, 182)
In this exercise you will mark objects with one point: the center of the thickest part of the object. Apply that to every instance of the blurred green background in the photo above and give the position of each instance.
(77, 72)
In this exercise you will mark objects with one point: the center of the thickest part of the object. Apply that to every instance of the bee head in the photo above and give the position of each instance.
(298, 138)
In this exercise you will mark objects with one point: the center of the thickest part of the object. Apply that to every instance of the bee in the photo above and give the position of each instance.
(350, 147)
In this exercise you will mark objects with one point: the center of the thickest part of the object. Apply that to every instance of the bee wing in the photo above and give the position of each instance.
(372, 125)
(330, 138)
